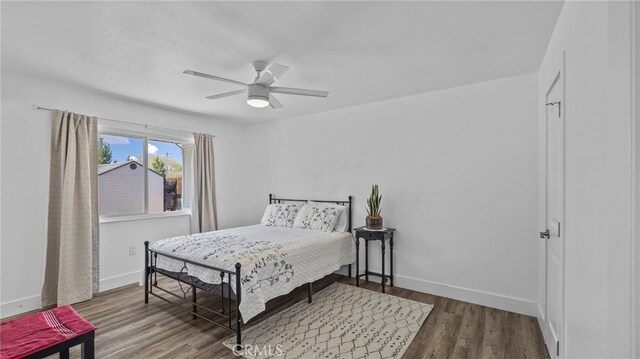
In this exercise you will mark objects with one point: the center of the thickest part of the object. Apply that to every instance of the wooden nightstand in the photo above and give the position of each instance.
(374, 235)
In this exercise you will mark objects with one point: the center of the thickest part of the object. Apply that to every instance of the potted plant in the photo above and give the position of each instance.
(374, 220)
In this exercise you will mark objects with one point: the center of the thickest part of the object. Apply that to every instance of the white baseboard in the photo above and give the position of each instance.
(493, 300)
(488, 299)
(540, 313)
(28, 304)
(120, 280)
(546, 334)
(19, 306)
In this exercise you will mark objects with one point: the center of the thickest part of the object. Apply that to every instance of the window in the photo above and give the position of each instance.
(139, 175)
(165, 176)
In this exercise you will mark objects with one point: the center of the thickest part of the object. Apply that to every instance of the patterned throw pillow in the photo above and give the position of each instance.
(342, 224)
(281, 215)
(317, 217)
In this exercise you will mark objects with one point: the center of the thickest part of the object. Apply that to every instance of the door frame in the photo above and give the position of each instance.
(559, 75)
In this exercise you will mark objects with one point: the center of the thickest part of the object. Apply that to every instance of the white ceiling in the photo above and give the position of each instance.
(359, 51)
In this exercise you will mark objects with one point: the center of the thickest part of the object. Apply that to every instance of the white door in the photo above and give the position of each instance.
(555, 212)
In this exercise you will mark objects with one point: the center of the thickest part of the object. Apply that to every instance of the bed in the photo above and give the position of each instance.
(245, 266)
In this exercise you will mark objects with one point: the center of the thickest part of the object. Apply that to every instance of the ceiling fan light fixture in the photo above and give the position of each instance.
(258, 96)
(257, 101)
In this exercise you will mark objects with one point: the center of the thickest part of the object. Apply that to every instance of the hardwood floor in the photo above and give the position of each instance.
(127, 328)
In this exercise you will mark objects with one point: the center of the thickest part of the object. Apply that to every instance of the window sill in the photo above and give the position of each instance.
(137, 217)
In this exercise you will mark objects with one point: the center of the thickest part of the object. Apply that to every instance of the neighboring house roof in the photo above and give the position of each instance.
(112, 166)
(108, 167)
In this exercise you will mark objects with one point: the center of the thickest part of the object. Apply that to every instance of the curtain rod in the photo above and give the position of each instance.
(36, 107)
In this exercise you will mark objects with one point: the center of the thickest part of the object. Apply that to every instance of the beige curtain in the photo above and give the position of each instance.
(71, 273)
(204, 189)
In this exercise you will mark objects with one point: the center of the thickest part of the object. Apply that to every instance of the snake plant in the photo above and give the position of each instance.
(373, 202)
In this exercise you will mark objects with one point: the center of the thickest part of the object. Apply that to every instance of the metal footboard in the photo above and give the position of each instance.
(229, 321)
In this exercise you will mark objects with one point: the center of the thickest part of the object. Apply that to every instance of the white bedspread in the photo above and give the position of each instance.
(274, 260)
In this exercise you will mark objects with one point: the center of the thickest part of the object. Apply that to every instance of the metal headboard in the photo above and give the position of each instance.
(346, 203)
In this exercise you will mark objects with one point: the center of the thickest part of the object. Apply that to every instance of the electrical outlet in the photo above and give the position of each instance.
(132, 250)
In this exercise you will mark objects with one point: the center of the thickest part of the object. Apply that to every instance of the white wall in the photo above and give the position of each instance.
(25, 161)
(457, 170)
(458, 173)
(598, 197)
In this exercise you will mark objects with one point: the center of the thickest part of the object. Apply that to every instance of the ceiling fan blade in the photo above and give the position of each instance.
(273, 101)
(270, 75)
(302, 92)
(225, 94)
(211, 77)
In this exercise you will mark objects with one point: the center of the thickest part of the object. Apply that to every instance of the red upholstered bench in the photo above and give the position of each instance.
(42, 334)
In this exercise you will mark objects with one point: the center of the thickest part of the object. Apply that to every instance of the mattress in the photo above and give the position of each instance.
(275, 260)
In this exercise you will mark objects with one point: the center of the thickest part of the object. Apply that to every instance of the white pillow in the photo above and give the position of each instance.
(280, 214)
(312, 216)
(342, 224)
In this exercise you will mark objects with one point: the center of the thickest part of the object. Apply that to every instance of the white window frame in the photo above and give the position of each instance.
(145, 136)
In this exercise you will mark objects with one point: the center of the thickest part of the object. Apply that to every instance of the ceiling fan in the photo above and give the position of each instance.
(260, 92)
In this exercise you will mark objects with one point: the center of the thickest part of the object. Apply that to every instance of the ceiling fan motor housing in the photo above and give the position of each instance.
(258, 92)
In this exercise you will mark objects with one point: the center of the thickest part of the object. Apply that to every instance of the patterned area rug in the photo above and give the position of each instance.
(342, 322)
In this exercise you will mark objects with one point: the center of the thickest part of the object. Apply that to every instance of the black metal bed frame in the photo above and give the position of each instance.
(230, 322)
